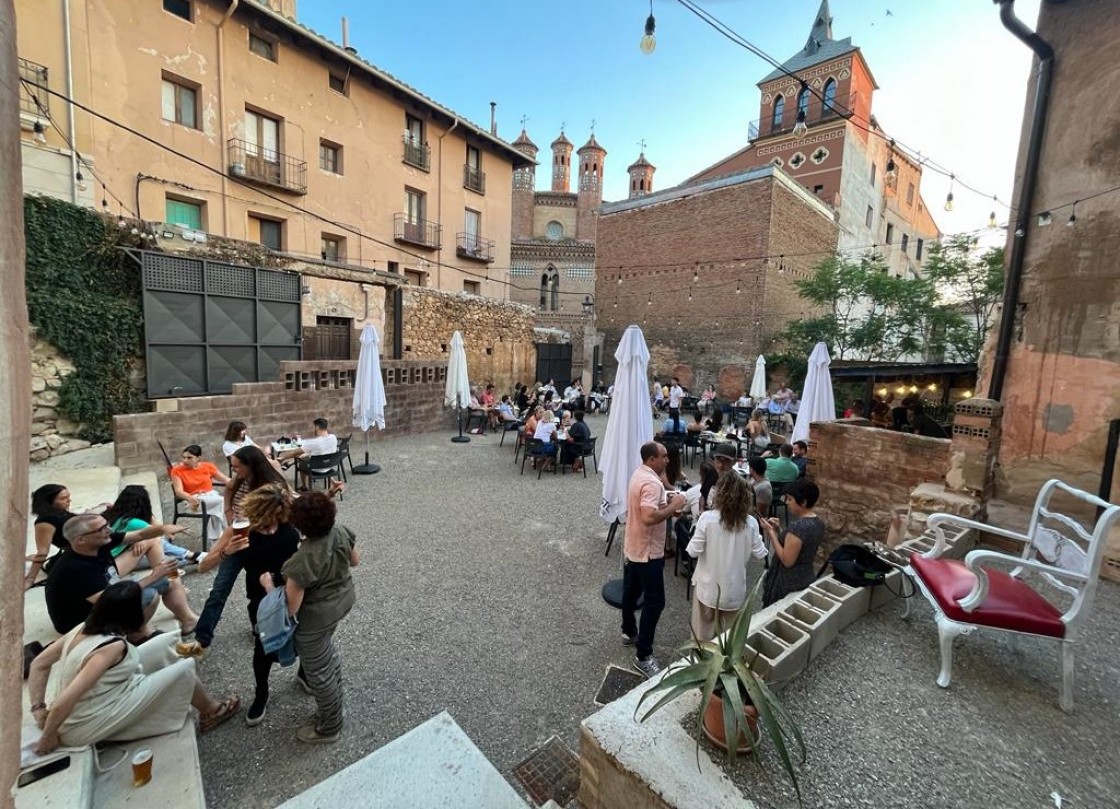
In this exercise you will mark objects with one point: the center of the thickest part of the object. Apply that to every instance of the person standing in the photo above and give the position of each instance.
(795, 548)
(648, 507)
(676, 393)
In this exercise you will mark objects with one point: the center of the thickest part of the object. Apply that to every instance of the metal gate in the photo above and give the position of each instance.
(208, 324)
(554, 361)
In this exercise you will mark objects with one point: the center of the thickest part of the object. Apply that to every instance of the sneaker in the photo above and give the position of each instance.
(647, 668)
(303, 684)
(257, 712)
(629, 640)
(191, 648)
(310, 735)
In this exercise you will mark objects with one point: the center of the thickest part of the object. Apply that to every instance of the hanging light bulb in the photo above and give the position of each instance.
(81, 180)
(690, 293)
(1044, 219)
(949, 196)
(696, 274)
(800, 127)
(1072, 216)
(40, 133)
(620, 279)
(738, 287)
(648, 43)
(993, 223)
(649, 301)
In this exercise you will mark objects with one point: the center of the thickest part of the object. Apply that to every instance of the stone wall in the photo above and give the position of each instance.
(51, 433)
(498, 335)
(309, 390)
(865, 474)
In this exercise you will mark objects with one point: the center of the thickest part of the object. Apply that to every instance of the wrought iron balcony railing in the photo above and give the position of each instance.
(34, 101)
(416, 154)
(474, 179)
(249, 161)
(468, 245)
(420, 232)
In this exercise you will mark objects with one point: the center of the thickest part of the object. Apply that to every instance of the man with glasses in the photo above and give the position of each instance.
(87, 567)
(648, 507)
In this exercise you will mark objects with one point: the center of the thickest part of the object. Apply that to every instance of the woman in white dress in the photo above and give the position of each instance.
(108, 689)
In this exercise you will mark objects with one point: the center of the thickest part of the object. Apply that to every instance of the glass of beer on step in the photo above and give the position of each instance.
(141, 768)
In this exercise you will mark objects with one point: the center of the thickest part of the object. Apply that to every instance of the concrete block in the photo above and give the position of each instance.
(854, 601)
(885, 593)
(779, 651)
(818, 615)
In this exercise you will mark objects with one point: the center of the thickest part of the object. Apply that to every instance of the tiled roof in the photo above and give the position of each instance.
(592, 144)
(805, 58)
(562, 140)
(641, 162)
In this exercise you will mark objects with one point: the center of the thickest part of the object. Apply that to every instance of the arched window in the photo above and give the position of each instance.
(779, 111)
(555, 291)
(830, 95)
(803, 102)
(544, 291)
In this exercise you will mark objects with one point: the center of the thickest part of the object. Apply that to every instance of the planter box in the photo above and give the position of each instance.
(782, 649)
(818, 615)
(854, 601)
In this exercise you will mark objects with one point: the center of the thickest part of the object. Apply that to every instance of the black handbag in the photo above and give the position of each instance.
(858, 566)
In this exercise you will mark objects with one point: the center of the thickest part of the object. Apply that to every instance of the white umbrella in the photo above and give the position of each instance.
(817, 401)
(457, 393)
(758, 382)
(629, 424)
(369, 393)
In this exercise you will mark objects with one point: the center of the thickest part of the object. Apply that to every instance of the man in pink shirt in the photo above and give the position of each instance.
(647, 507)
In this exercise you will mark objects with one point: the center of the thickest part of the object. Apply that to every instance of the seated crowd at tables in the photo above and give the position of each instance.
(116, 678)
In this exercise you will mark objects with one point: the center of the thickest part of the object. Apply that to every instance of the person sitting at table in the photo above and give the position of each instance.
(571, 451)
(800, 457)
(237, 436)
(726, 537)
(921, 424)
(193, 481)
(111, 690)
(520, 398)
(132, 511)
(758, 431)
(672, 428)
(87, 567)
(696, 426)
(505, 410)
(854, 410)
(724, 457)
(546, 434)
(781, 469)
(763, 491)
(50, 504)
(795, 548)
(714, 422)
(549, 387)
(881, 414)
(323, 442)
(532, 421)
(597, 397)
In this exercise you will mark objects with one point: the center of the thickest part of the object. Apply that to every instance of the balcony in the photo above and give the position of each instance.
(419, 232)
(473, 247)
(34, 102)
(250, 162)
(416, 154)
(817, 113)
(474, 179)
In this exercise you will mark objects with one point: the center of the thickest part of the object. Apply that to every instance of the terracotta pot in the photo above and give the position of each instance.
(715, 731)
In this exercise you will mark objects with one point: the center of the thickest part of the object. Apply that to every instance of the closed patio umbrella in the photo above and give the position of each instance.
(369, 393)
(758, 382)
(629, 424)
(817, 400)
(457, 393)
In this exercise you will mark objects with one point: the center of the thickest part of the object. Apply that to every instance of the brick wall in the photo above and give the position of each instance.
(864, 473)
(414, 393)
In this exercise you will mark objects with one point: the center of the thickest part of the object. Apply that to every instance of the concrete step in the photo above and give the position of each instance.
(433, 765)
(88, 488)
(176, 775)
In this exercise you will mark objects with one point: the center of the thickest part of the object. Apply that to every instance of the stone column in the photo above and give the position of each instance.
(15, 398)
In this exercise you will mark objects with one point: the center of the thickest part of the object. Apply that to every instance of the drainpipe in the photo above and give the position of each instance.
(1014, 279)
(71, 126)
(439, 203)
(233, 4)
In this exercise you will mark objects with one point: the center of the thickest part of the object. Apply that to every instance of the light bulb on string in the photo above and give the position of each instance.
(738, 287)
(1072, 216)
(949, 196)
(81, 180)
(993, 223)
(40, 133)
(649, 301)
(800, 127)
(648, 43)
(620, 279)
(696, 274)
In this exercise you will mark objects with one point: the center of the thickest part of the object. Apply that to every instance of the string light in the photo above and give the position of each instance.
(690, 293)
(949, 196)
(800, 127)
(993, 223)
(1044, 219)
(696, 273)
(81, 180)
(649, 302)
(40, 133)
(738, 287)
(648, 43)
(1072, 216)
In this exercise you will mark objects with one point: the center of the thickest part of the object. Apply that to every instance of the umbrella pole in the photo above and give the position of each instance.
(460, 438)
(366, 468)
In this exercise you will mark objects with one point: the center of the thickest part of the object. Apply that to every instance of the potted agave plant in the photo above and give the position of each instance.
(737, 707)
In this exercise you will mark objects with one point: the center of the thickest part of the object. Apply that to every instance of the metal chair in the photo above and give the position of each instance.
(202, 514)
(778, 504)
(535, 448)
(507, 427)
(321, 467)
(473, 416)
(344, 450)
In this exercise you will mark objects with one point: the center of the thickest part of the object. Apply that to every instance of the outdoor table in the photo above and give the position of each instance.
(277, 447)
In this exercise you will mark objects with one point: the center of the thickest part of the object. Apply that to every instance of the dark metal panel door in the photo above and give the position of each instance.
(554, 361)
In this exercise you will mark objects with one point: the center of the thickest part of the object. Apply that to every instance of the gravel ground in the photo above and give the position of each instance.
(478, 593)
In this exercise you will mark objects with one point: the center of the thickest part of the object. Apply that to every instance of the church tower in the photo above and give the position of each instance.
(590, 195)
(641, 176)
(524, 186)
(561, 163)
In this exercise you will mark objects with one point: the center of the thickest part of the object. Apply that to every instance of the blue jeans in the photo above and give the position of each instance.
(220, 590)
(640, 578)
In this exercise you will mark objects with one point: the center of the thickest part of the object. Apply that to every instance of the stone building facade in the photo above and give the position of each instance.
(690, 266)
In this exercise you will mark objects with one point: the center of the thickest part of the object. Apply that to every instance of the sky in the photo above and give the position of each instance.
(952, 80)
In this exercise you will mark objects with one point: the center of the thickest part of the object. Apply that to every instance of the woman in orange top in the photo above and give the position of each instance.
(193, 481)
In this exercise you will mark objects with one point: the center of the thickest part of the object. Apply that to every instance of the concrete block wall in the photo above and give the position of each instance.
(414, 393)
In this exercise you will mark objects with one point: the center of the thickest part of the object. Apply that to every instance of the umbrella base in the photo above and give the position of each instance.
(460, 439)
(366, 469)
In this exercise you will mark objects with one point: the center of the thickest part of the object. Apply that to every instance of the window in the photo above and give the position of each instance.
(338, 84)
(803, 102)
(264, 48)
(554, 231)
(874, 170)
(330, 157)
(393, 267)
(890, 233)
(413, 205)
(555, 291)
(332, 248)
(269, 232)
(905, 241)
(180, 102)
(185, 213)
(779, 111)
(472, 287)
(544, 291)
(474, 158)
(910, 194)
(262, 136)
(180, 8)
(472, 225)
(413, 130)
(918, 249)
(870, 215)
(473, 178)
(830, 95)
(414, 277)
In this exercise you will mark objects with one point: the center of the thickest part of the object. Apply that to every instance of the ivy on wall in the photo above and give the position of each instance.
(83, 295)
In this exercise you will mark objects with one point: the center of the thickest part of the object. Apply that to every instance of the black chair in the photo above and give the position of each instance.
(691, 447)
(776, 423)
(588, 451)
(521, 443)
(740, 416)
(536, 449)
(344, 451)
(579, 451)
(202, 514)
(321, 467)
(473, 416)
(777, 504)
(507, 427)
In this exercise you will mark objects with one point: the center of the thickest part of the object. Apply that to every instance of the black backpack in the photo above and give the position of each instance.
(857, 566)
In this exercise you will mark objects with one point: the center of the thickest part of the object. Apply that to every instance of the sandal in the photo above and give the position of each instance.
(226, 709)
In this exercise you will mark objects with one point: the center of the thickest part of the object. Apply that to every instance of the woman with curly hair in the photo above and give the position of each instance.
(131, 511)
(320, 592)
(251, 470)
(723, 538)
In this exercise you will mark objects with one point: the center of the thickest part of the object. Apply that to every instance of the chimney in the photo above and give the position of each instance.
(346, 36)
(493, 118)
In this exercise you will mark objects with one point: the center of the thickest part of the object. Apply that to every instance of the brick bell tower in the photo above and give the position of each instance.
(641, 176)
(561, 163)
(524, 187)
(590, 195)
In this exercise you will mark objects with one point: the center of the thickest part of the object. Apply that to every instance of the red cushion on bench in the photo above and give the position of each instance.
(1010, 604)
